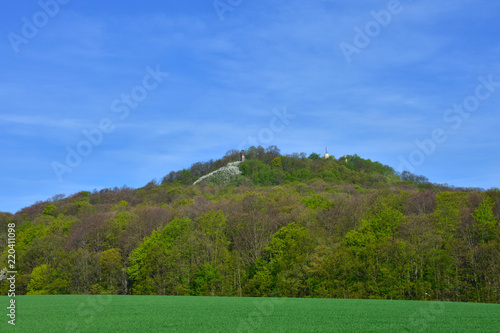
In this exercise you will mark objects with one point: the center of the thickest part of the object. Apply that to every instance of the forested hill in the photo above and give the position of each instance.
(269, 167)
(291, 226)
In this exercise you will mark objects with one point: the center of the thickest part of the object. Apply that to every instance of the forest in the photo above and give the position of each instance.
(288, 226)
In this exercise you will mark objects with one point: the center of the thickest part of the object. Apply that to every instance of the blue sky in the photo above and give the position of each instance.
(274, 71)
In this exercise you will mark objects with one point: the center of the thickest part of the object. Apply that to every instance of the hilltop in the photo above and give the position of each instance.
(274, 225)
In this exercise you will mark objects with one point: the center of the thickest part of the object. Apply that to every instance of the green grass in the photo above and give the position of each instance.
(225, 314)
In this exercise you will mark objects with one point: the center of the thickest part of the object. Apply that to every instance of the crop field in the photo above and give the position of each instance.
(74, 313)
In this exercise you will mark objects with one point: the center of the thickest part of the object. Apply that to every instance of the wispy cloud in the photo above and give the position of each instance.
(42, 121)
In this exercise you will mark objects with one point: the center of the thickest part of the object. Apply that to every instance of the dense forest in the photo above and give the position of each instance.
(288, 226)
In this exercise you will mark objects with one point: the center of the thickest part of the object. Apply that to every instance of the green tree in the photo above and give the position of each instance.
(277, 163)
(49, 210)
(45, 280)
(210, 256)
(282, 270)
(317, 202)
(40, 280)
(314, 156)
(111, 266)
(148, 262)
(485, 220)
(376, 228)
(447, 212)
(116, 226)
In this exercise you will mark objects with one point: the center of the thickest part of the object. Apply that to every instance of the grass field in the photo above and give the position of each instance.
(223, 314)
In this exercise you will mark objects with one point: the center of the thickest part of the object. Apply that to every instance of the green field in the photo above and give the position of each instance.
(224, 314)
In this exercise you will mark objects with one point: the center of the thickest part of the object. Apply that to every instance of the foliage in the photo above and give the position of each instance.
(288, 226)
(281, 269)
(317, 202)
(486, 222)
(45, 280)
(111, 266)
(148, 263)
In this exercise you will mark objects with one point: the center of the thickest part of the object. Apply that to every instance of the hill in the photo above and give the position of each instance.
(287, 226)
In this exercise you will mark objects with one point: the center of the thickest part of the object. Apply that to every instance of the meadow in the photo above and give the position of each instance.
(85, 313)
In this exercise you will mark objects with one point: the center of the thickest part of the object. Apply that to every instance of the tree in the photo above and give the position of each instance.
(374, 229)
(408, 176)
(274, 151)
(210, 255)
(447, 212)
(277, 163)
(117, 225)
(40, 280)
(111, 269)
(148, 263)
(50, 210)
(314, 156)
(281, 271)
(44, 280)
(486, 222)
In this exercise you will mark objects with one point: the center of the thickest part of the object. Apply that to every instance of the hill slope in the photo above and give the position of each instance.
(288, 226)
(221, 175)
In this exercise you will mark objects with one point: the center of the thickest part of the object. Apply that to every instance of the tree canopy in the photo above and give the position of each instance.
(288, 226)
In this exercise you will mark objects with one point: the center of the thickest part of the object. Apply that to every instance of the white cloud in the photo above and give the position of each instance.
(42, 121)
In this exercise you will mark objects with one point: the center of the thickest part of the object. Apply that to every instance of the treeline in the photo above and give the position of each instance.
(266, 166)
(342, 229)
(199, 169)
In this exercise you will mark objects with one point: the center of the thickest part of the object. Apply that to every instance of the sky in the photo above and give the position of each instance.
(98, 94)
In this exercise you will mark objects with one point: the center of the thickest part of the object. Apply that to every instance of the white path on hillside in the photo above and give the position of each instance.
(231, 169)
